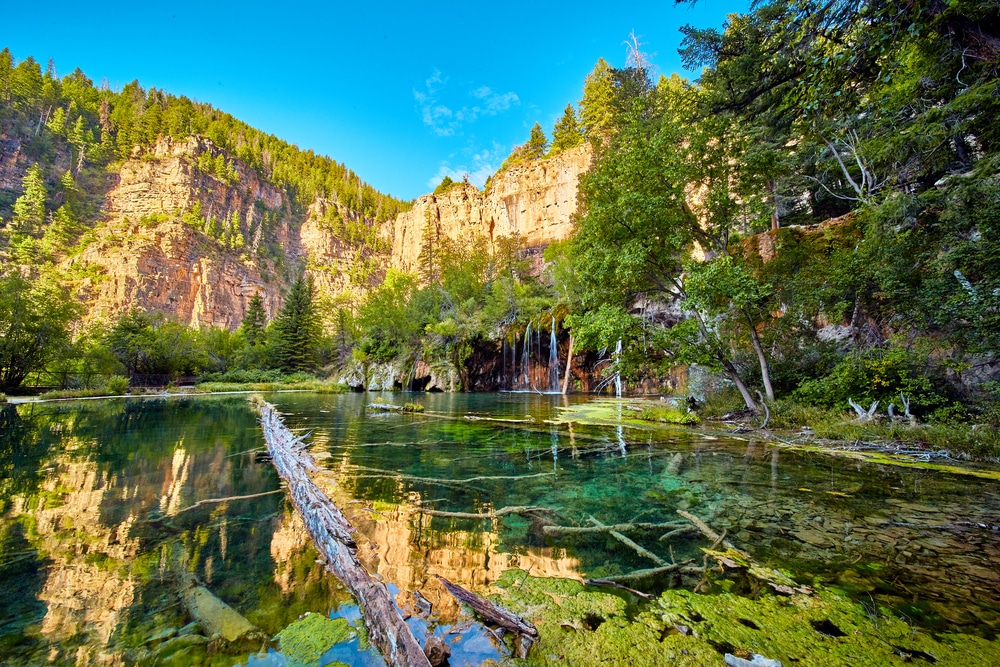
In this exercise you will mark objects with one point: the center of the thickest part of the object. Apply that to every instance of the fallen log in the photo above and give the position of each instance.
(503, 511)
(615, 584)
(684, 567)
(495, 614)
(331, 532)
(638, 548)
(617, 527)
(706, 531)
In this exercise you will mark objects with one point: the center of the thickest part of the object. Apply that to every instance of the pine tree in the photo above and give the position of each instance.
(567, 132)
(537, 143)
(254, 321)
(29, 209)
(295, 332)
(597, 105)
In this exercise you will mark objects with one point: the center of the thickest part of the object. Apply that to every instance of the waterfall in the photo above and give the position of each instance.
(526, 356)
(618, 373)
(503, 357)
(553, 359)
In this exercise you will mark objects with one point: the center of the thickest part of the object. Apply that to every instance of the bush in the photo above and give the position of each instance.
(3, 398)
(668, 415)
(117, 385)
(879, 374)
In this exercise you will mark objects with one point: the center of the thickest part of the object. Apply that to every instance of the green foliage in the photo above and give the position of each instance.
(293, 336)
(29, 209)
(34, 325)
(537, 143)
(878, 374)
(117, 385)
(444, 185)
(154, 345)
(567, 132)
(254, 321)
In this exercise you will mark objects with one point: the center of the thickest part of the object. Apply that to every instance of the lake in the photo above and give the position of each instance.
(114, 510)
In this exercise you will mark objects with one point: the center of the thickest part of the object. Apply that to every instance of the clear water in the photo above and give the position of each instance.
(97, 541)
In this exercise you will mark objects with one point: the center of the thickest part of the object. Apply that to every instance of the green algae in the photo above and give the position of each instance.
(306, 640)
(885, 458)
(578, 625)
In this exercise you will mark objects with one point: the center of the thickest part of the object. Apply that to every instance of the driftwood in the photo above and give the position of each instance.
(638, 548)
(615, 584)
(684, 567)
(706, 531)
(390, 474)
(618, 527)
(331, 532)
(677, 532)
(503, 511)
(495, 614)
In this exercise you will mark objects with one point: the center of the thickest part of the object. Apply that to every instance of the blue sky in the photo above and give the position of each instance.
(402, 93)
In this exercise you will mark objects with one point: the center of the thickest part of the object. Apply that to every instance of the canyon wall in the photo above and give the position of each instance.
(534, 199)
(151, 250)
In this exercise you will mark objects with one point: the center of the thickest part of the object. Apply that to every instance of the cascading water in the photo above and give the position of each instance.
(618, 374)
(553, 359)
(526, 357)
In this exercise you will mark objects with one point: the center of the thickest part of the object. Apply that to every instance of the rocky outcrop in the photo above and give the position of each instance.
(155, 249)
(535, 200)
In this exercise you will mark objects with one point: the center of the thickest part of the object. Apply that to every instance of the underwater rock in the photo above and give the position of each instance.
(214, 615)
(437, 651)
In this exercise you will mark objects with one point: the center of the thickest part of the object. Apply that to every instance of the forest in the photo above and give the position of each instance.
(809, 227)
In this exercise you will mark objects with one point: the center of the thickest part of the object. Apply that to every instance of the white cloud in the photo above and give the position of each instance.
(445, 120)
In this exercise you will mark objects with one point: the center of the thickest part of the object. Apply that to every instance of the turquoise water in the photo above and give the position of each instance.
(101, 534)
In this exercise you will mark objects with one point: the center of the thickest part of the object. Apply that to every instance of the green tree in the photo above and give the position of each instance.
(537, 143)
(34, 326)
(295, 332)
(154, 345)
(597, 105)
(567, 133)
(254, 321)
(29, 208)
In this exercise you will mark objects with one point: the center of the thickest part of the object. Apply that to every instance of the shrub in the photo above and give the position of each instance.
(117, 385)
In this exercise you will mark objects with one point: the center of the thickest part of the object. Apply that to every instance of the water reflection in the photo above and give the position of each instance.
(877, 530)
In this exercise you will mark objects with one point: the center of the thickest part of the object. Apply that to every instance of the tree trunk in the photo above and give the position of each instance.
(765, 373)
(569, 364)
(731, 373)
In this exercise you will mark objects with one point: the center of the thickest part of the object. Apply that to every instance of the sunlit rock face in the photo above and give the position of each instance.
(535, 200)
(155, 251)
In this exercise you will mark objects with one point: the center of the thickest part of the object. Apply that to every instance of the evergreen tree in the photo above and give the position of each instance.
(254, 321)
(537, 143)
(295, 332)
(567, 133)
(597, 105)
(29, 209)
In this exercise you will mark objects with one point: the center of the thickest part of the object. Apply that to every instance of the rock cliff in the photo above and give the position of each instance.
(534, 199)
(167, 242)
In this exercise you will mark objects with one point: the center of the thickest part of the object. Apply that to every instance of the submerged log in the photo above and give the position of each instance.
(638, 548)
(617, 527)
(528, 510)
(331, 532)
(494, 613)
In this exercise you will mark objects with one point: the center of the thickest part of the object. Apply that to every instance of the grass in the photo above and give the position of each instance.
(318, 386)
(668, 415)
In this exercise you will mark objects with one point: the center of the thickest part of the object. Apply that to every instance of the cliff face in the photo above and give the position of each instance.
(535, 200)
(167, 242)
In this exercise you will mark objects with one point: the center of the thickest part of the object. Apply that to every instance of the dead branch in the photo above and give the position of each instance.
(503, 511)
(638, 548)
(683, 567)
(495, 614)
(615, 584)
(705, 530)
(618, 527)
(678, 532)
(331, 532)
